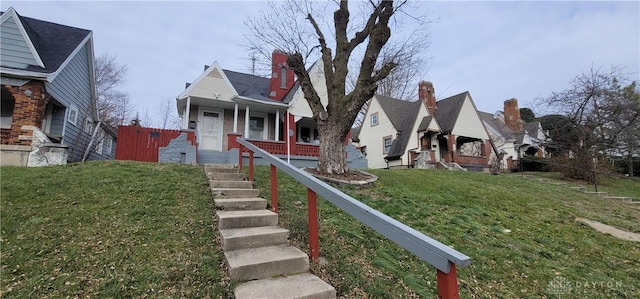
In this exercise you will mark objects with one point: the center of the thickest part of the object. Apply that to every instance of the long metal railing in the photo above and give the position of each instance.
(444, 258)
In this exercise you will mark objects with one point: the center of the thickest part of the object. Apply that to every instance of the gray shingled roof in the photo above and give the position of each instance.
(448, 111)
(250, 86)
(289, 96)
(532, 128)
(53, 42)
(296, 85)
(424, 124)
(499, 125)
(402, 115)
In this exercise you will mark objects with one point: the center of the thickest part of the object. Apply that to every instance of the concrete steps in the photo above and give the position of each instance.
(229, 204)
(246, 218)
(230, 184)
(252, 237)
(226, 176)
(256, 249)
(294, 286)
(234, 192)
(266, 262)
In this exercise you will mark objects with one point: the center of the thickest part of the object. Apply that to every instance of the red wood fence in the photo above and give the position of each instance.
(142, 144)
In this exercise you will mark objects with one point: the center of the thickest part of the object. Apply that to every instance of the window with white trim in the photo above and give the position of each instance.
(88, 125)
(387, 141)
(108, 143)
(100, 147)
(73, 115)
(374, 119)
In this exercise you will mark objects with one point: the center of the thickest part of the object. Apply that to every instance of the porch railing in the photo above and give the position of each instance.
(278, 147)
(444, 258)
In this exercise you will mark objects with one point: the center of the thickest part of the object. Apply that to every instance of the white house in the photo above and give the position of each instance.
(221, 105)
(395, 132)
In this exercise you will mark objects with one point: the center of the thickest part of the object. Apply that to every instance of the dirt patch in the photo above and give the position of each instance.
(607, 229)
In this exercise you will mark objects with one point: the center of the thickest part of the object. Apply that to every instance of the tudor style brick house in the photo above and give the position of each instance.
(425, 133)
(513, 137)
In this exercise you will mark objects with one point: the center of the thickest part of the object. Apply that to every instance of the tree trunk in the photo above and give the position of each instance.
(333, 155)
(630, 165)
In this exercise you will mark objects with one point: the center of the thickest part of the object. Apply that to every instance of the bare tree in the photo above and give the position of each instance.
(114, 106)
(167, 115)
(146, 120)
(603, 115)
(299, 29)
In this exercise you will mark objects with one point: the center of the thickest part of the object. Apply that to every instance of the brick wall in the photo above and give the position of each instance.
(29, 109)
(470, 160)
(512, 115)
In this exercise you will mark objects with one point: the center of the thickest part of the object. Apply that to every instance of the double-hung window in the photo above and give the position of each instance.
(387, 141)
(374, 119)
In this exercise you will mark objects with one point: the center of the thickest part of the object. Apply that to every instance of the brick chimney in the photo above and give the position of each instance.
(282, 76)
(427, 95)
(512, 115)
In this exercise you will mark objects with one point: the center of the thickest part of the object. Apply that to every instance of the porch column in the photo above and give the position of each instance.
(277, 126)
(452, 148)
(235, 118)
(185, 115)
(290, 138)
(246, 122)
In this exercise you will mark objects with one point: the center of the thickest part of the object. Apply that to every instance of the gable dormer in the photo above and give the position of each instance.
(18, 50)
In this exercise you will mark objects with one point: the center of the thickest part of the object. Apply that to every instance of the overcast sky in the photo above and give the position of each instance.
(495, 50)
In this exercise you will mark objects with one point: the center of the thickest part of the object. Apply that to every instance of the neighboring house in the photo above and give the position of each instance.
(447, 132)
(513, 137)
(390, 129)
(221, 105)
(48, 93)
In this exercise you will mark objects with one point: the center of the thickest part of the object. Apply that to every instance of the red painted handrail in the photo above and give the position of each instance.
(447, 282)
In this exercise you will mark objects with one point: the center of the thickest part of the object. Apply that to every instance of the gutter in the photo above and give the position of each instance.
(280, 104)
(25, 74)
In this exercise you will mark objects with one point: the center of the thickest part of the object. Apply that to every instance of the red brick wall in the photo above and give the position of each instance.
(278, 62)
(426, 93)
(512, 115)
(28, 110)
(470, 160)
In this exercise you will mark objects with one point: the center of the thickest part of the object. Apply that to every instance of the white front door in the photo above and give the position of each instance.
(210, 128)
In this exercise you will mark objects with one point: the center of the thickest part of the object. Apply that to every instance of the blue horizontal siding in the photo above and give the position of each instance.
(14, 48)
(72, 87)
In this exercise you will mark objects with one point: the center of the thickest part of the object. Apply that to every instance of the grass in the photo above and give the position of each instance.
(521, 234)
(136, 230)
(614, 185)
(109, 230)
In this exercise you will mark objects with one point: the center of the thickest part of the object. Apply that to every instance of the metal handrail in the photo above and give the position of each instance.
(428, 249)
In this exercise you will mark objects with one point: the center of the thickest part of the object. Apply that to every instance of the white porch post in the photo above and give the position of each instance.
(185, 116)
(246, 122)
(235, 118)
(277, 125)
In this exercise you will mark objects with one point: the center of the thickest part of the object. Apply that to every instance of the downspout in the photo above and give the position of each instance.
(93, 136)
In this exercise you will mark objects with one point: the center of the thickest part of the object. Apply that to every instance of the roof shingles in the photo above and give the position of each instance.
(53, 42)
(402, 115)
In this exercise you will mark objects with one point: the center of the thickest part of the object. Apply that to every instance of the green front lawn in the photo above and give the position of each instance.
(109, 230)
